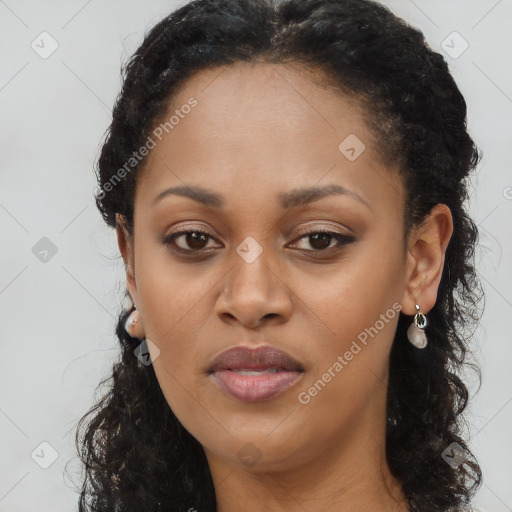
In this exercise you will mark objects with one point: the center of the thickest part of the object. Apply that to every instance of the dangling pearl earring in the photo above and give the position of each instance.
(416, 333)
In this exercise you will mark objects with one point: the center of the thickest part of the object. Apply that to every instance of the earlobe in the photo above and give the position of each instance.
(425, 260)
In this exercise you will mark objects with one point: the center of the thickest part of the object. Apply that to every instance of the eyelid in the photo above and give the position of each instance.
(324, 228)
(305, 230)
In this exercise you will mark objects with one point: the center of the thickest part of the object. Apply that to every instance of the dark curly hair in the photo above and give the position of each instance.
(137, 455)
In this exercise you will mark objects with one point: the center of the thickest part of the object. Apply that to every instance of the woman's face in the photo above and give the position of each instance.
(253, 134)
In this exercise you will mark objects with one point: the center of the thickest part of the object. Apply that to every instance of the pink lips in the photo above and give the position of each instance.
(274, 371)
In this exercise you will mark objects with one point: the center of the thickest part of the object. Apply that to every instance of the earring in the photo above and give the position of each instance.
(133, 325)
(416, 333)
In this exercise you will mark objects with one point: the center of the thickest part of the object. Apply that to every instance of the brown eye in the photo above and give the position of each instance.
(191, 241)
(196, 240)
(321, 240)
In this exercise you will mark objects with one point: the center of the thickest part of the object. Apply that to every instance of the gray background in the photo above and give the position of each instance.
(58, 316)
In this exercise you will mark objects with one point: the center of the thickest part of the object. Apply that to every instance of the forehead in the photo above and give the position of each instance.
(268, 97)
(263, 126)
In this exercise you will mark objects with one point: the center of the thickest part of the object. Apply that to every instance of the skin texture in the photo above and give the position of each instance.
(259, 130)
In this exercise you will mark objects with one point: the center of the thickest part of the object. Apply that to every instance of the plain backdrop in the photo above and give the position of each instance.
(58, 308)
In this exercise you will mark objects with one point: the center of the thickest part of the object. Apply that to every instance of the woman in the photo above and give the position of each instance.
(287, 183)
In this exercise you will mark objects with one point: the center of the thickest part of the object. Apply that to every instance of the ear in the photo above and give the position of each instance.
(125, 243)
(425, 260)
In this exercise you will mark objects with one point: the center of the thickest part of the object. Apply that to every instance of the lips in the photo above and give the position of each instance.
(261, 358)
(255, 374)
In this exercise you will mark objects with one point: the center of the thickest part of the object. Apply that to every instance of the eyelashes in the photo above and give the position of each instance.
(194, 237)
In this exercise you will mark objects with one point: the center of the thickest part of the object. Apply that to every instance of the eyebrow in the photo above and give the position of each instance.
(288, 200)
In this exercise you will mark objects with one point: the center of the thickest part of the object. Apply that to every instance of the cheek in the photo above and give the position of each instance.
(176, 311)
(350, 297)
(356, 310)
(169, 292)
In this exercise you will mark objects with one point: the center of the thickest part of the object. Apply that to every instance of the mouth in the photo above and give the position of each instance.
(254, 375)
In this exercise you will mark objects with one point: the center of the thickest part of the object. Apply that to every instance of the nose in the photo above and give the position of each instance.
(254, 293)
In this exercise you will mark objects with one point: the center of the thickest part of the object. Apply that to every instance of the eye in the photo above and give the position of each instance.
(194, 239)
(321, 240)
